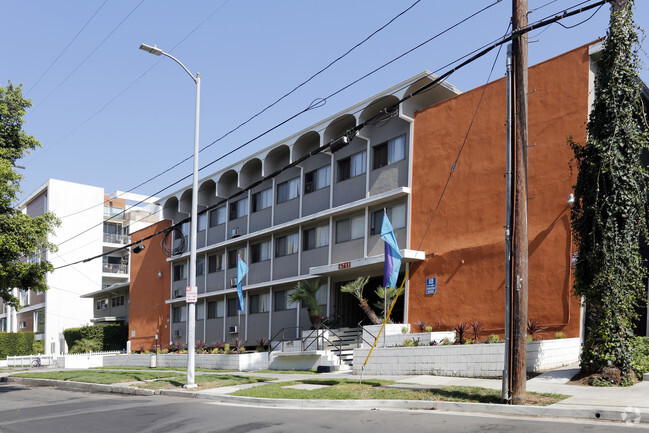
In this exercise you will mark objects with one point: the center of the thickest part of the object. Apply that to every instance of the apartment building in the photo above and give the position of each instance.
(92, 223)
(321, 218)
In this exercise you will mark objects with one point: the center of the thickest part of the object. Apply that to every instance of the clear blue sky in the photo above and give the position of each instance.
(125, 115)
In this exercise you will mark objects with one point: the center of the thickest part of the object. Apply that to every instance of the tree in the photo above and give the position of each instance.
(355, 288)
(23, 239)
(386, 298)
(609, 213)
(305, 293)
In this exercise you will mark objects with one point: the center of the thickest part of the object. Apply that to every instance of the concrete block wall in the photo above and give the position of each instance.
(470, 360)
(244, 362)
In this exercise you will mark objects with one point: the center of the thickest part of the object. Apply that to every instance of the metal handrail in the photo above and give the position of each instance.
(360, 330)
(304, 347)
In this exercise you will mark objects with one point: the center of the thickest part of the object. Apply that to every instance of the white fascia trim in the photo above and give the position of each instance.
(406, 256)
(358, 204)
(29, 308)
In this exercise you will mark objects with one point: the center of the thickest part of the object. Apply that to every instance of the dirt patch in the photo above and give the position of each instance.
(609, 376)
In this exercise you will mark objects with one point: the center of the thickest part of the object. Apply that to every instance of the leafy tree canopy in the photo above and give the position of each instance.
(23, 239)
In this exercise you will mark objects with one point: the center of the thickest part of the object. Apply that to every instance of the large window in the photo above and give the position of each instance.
(179, 314)
(282, 302)
(352, 166)
(200, 267)
(288, 190)
(315, 237)
(317, 179)
(260, 252)
(262, 200)
(259, 303)
(217, 216)
(391, 151)
(101, 304)
(179, 272)
(232, 307)
(349, 229)
(396, 215)
(286, 245)
(117, 301)
(238, 209)
(215, 309)
(232, 257)
(215, 263)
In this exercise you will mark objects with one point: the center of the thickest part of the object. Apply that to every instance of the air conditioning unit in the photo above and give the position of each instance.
(178, 293)
(232, 329)
(233, 282)
(234, 232)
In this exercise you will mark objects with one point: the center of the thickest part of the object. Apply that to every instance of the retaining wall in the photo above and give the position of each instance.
(468, 360)
(244, 362)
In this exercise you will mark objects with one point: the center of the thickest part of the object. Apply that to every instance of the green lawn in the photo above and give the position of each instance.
(287, 371)
(204, 381)
(207, 370)
(99, 376)
(344, 389)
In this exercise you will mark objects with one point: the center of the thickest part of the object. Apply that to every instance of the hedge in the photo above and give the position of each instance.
(108, 337)
(16, 343)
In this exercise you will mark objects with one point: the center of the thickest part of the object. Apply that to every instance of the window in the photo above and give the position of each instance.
(262, 200)
(179, 314)
(24, 297)
(215, 309)
(232, 257)
(200, 311)
(351, 166)
(232, 307)
(217, 216)
(349, 229)
(288, 190)
(286, 245)
(23, 325)
(315, 238)
(202, 222)
(281, 300)
(259, 303)
(200, 267)
(215, 262)
(317, 179)
(238, 209)
(396, 215)
(391, 151)
(260, 252)
(117, 301)
(39, 320)
(179, 272)
(101, 304)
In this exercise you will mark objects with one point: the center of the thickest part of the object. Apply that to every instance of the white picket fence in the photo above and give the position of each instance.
(31, 361)
(69, 360)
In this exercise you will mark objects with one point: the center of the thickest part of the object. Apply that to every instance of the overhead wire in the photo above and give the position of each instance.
(315, 104)
(66, 47)
(356, 129)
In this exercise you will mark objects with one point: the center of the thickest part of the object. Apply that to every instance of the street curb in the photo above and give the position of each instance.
(630, 415)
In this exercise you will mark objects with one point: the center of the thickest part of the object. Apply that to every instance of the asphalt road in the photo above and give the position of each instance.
(24, 409)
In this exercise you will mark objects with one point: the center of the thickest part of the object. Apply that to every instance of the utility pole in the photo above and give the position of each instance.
(520, 247)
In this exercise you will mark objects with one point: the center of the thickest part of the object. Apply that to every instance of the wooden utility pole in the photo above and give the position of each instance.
(520, 247)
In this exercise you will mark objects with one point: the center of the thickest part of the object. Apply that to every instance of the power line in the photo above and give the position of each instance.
(66, 47)
(311, 106)
(357, 128)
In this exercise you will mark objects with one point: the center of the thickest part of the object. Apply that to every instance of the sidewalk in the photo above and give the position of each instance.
(629, 404)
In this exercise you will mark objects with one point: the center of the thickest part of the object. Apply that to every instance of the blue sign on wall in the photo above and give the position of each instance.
(431, 285)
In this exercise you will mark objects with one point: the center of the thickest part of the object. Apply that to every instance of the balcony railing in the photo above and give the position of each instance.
(113, 212)
(115, 239)
(115, 268)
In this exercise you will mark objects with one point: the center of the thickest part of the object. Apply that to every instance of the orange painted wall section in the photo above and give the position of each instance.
(148, 312)
(467, 235)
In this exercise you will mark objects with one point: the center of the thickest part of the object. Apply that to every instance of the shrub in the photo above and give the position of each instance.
(85, 345)
(38, 347)
(640, 363)
(108, 337)
(16, 343)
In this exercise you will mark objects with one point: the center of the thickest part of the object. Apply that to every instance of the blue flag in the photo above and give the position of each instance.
(242, 270)
(392, 253)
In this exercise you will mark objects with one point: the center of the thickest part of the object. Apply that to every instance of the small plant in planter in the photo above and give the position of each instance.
(226, 348)
(559, 335)
(446, 342)
(200, 346)
(404, 329)
(217, 345)
(461, 332)
(534, 329)
(262, 344)
(477, 329)
(422, 325)
(429, 328)
(493, 339)
(179, 346)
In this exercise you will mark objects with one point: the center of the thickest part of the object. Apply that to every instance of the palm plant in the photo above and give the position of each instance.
(305, 293)
(355, 288)
(386, 297)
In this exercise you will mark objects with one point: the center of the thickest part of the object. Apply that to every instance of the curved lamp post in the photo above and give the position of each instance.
(191, 304)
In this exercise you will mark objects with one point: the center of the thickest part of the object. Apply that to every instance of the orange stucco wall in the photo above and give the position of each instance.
(464, 245)
(148, 313)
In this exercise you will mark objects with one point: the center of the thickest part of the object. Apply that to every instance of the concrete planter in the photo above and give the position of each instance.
(238, 362)
(470, 360)
(393, 336)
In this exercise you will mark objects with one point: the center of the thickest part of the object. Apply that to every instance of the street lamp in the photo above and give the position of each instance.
(191, 290)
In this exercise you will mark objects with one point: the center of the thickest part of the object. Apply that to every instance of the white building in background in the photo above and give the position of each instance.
(92, 223)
